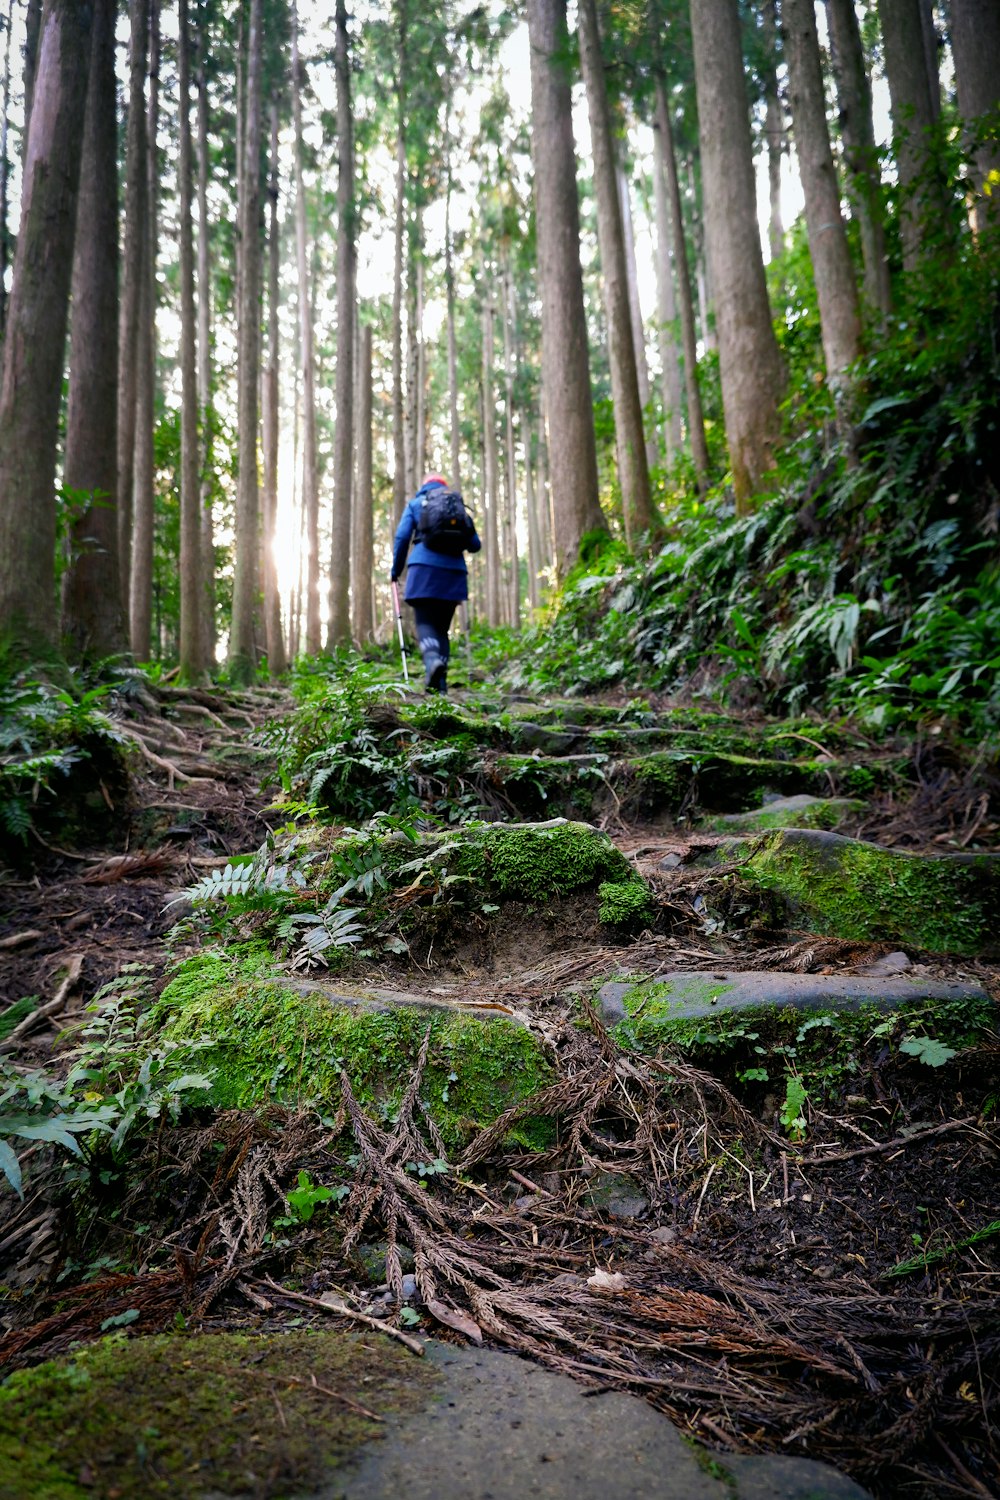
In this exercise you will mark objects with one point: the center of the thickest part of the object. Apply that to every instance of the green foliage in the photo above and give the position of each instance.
(45, 731)
(866, 581)
(121, 1080)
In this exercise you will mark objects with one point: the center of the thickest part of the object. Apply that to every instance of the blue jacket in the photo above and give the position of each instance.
(431, 575)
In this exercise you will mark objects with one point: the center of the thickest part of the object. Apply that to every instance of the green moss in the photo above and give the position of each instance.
(762, 1043)
(274, 1041)
(625, 903)
(533, 864)
(198, 1415)
(845, 888)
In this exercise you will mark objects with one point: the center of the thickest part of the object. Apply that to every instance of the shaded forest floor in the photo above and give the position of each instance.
(830, 1291)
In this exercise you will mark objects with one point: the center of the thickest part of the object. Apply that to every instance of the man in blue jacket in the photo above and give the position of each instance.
(436, 583)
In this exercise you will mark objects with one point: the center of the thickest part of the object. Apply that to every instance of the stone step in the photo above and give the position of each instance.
(840, 887)
(801, 811)
(692, 995)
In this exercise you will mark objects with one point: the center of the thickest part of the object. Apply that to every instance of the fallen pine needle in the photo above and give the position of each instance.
(342, 1310)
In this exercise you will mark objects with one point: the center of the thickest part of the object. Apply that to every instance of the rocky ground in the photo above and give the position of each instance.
(674, 1074)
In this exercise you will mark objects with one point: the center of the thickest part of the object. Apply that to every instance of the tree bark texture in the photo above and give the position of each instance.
(836, 290)
(343, 454)
(34, 347)
(4, 169)
(491, 481)
(93, 620)
(511, 559)
(854, 103)
(565, 357)
(32, 32)
(975, 42)
(774, 127)
(670, 366)
(630, 439)
(750, 362)
(207, 542)
(362, 531)
(307, 356)
(136, 230)
(689, 342)
(242, 663)
(398, 434)
(449, 283)
(192, 634)
(925, 207)
(635, 313)
(273, 633)
(143, 514)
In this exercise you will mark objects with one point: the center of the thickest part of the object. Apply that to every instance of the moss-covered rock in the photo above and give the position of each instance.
(802, 811)
(722, 1022)
(191, 1416)
(846, 888)
(278, 1038)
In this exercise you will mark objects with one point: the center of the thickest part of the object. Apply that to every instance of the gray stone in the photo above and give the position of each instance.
(697, 993)
(504, 1429)
(617, 1195)
(801, 811)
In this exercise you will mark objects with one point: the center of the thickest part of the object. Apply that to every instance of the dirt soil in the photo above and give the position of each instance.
(753, 1289)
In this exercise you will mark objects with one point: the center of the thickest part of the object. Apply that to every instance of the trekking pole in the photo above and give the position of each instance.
(399, 622)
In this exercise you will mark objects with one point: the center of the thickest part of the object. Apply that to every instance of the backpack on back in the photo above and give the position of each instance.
(445, 525)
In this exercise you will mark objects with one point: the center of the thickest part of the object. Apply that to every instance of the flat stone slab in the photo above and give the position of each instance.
(694, 994)
(501, 1428)
(386, 1000)
(802, 811)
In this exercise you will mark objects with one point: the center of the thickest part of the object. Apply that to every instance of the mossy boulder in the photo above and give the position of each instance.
(756, 1028)
(275, 1037)
(801, 811)
(846, 888)
(198, 1415)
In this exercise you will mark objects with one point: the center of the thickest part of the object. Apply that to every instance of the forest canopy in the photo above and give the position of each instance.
(695, 299)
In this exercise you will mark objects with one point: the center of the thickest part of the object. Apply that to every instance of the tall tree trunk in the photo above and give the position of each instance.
(192, 633)
(32, 31)
(274, 635)
(242, 662)
(854, 103)
(689, 343)
(774, 127)
(750, 363)
(975, 43)
(343, 457)
(34, 348)
(4, 170)
(510, 519)
(836, 290)
(310, 472)
(420, 449)
(449, 284)
(929, 36)
(398, 434)
(143, 519)
(362, 529)
(491, 483)
(93, 621)
(635, 314)
(670, 366)
(535, 563)
(412, 443)
(925, 208)
(136, 233)
(207, 542)
(630, 439)
(565, 357)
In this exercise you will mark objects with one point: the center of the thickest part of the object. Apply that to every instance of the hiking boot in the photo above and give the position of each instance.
(436, 671)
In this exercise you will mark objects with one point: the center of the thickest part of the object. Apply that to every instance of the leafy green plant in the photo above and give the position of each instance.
(119, 1083)
(308, 1195)
(792, 1113)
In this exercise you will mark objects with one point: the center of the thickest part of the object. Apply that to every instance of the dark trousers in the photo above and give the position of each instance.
(432, 619)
